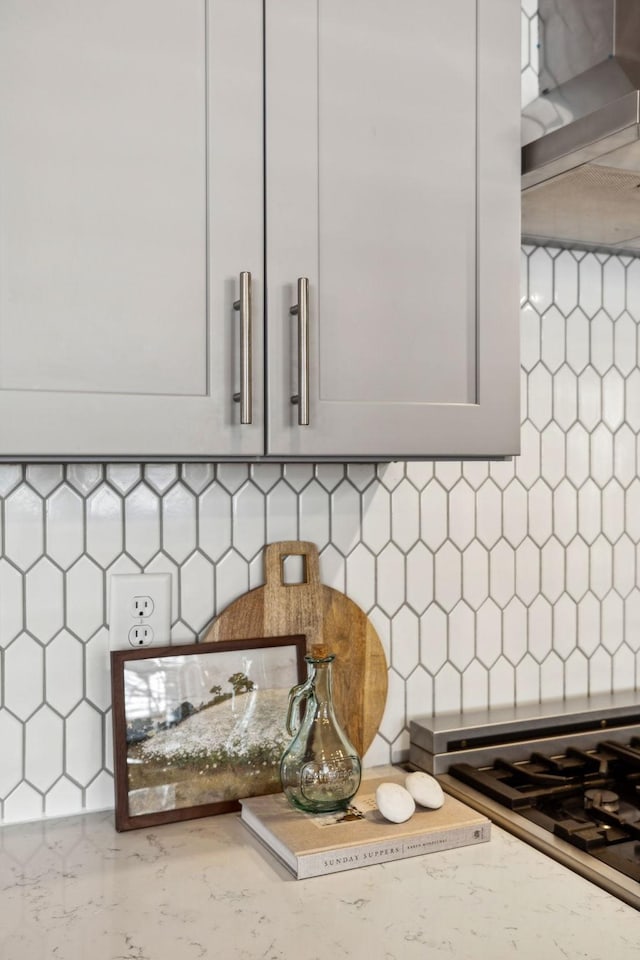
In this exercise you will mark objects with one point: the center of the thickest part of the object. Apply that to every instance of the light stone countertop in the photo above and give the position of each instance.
(74, 889)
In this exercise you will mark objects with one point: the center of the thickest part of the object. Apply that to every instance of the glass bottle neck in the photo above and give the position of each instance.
(321, 680)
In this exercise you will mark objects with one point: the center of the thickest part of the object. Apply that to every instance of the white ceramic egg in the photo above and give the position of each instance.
(425, 790)
(394, 802)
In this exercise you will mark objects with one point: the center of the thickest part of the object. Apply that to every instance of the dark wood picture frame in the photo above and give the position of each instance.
(168, 764)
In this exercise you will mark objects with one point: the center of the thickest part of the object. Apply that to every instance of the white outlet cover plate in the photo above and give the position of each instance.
(124, 587)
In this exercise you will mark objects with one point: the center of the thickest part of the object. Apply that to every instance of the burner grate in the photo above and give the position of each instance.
(591, 799)
(567, 780)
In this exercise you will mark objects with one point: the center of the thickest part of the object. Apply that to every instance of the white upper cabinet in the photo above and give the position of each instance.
(393, 186)
(136, 140)
(131, 161)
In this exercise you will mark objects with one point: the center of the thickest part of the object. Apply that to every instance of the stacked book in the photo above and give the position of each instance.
(314, 844)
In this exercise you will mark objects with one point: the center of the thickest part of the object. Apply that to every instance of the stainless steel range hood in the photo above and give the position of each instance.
(581, 136)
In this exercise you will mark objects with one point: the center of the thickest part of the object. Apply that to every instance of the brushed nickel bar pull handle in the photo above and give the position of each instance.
(301, 311)
(243, 305)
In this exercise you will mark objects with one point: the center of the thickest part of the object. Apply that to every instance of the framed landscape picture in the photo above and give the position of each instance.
(197, 728)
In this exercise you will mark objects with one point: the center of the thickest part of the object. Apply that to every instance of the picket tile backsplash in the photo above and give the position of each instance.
(489, 583)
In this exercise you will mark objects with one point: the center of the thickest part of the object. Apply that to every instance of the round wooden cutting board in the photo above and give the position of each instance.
(324, 615)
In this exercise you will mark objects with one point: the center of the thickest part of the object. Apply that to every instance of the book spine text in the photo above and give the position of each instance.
(318, 864)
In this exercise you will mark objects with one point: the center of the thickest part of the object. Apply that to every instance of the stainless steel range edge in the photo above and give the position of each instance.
(564, 776)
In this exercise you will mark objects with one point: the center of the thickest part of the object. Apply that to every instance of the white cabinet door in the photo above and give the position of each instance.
(393, 186)
(131, 198)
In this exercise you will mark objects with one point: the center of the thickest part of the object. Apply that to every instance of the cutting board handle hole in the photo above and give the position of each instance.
(294, 570)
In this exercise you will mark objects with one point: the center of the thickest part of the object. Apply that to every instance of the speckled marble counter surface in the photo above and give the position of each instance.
(74, 889)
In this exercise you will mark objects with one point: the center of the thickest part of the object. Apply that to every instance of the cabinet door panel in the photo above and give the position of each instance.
(119, 253)
(372, 193)
(385, 223)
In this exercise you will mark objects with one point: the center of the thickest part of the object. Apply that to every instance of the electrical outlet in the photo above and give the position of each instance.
(139, 610)
(142, 606)
(140, 636)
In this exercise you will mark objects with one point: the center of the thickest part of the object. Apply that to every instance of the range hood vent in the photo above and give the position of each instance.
(581, 136)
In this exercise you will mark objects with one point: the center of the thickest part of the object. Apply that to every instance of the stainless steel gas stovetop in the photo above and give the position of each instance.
(563, 776)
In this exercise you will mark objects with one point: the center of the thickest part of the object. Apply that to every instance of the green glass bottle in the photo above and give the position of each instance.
(320, 770)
